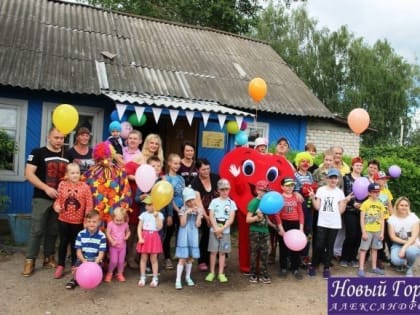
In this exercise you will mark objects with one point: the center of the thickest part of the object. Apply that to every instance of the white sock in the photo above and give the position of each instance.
(179, 269)
(188, 268)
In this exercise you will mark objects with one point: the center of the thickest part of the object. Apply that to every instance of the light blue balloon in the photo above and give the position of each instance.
(271, 202)
(241, 138)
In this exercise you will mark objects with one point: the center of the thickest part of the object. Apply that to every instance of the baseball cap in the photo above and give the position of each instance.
(333, 172)
(147, 200)
(380, 175)
(262, 185)
(287, 181)
(283, 139)
(223, 183)
(188, 194)
(260, 141)
(373, 187)
(82, 130)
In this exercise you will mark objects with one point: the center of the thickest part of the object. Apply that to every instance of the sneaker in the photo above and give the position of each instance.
(354, 264)
(326, 273)
(253, 279)
(59, 272)
(344, 263)
(361, 273)
(378, 271)
(142, 282)
(297, 275)
(409, 272)
(168, 264)
(203, 267)
(266, 280)
(178, 285)
(312, 271)
(283, 273)
(222, 278)
(210, 277)
(108, 277)
(120, 277)
(28, 268)
(189, 282)
(154, 283)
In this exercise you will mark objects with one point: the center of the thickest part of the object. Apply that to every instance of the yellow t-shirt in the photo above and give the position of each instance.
(373, 212)
(385, 195)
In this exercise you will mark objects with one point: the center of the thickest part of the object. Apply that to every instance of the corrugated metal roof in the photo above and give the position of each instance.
(52, 45)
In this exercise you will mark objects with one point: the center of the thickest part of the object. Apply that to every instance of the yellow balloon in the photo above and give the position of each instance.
(162, 194)
(65, 118)
(232, 127)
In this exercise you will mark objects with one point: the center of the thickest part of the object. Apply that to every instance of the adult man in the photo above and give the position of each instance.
(44, 168)
(338, 160)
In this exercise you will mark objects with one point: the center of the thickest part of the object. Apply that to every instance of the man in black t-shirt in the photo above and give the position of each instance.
(45, 168)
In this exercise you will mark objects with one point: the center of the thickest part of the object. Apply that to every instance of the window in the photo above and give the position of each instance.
(13, 113)
(255, 130)
(90, 117)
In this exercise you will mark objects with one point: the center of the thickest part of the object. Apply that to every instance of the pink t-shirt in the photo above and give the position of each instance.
(117, 232)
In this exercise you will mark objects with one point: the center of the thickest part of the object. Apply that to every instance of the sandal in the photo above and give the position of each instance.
(71, 284)
(154, 283)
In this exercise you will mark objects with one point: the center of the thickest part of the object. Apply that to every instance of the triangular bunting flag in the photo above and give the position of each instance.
(205, 118)
(121, 110)
(156, 113)
(190, 116)
(174, 115)
(139, 112)
(222, 119)
(239, 120)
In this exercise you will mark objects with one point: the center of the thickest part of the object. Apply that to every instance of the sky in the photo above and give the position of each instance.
(398, 21)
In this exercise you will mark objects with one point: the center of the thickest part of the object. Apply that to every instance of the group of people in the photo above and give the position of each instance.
(90, 199)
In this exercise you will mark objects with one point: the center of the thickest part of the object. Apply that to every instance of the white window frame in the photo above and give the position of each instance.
(264, 127)
(97, 122)
(21, 107)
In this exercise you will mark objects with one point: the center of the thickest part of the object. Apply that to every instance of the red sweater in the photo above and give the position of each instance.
(75, 199)
(291, 211)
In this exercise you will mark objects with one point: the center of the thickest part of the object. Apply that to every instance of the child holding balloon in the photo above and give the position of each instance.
(149, 244)
(290, 217)
(190, 216)
(117, 233)
(258, 235)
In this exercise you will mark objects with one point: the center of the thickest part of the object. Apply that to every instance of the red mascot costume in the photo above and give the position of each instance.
(243, 167)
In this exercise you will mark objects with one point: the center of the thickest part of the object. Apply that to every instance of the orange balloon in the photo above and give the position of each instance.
(257, 89)
(358, 120)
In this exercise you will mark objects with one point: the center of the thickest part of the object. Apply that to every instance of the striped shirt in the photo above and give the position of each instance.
(90, 244)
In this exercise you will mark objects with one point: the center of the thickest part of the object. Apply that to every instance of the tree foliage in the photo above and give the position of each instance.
(236, 16)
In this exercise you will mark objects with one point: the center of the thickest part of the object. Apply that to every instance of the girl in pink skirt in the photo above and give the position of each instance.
(149, 244)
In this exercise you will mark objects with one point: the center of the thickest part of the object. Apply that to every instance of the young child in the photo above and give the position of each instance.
(117, 233)
(258, 235)
(372, 224)
(222, 214)
(260, 144)
(149, 244)
(73, 201)
(90, 243)
(116, 141)
(178, 183)
(187, 249)
(330, 202)
(290, 217)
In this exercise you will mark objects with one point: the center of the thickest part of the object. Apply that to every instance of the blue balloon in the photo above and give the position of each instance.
(114, 116)
(241, 138)
(271, 202)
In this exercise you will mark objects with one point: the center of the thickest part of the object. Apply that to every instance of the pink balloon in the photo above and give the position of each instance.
(295, 240)
(145, 177)
(126, 128)
(360, 188)
(89, 275)
(394, 171)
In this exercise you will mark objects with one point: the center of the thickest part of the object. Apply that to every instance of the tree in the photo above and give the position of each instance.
(236, 16)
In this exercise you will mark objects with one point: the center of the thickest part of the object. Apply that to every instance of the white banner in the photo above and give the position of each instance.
(190, 115)
(156, 113)
(174, 115)
(222, 119)
(205, 116)
(139, 112)
(121, 110)
(239, 120)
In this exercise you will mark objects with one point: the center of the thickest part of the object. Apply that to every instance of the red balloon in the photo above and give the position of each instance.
(257, 89)
(358, 120)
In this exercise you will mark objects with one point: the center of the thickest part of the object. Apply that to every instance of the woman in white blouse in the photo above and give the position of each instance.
(403, 229)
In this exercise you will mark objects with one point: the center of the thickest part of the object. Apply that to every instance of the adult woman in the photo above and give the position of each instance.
(351, 217)
(403, 230)
(81, 153)
(152, 146)
(206, 184)
(188, 169)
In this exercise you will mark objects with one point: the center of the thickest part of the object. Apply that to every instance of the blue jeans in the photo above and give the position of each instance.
(44, 227)
(411, 254)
